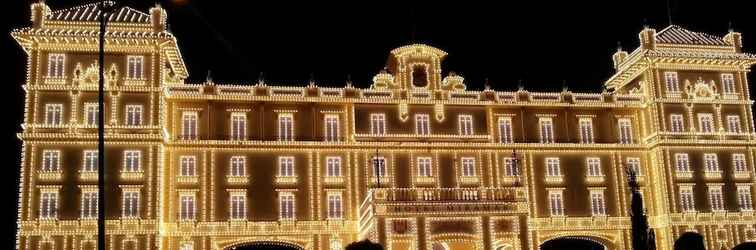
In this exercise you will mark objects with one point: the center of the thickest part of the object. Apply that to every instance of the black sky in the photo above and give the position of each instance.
(541, 43)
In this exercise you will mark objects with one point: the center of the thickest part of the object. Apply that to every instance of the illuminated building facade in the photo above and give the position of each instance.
(416, 161)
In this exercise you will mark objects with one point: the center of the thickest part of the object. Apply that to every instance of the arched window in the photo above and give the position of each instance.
(420, 76)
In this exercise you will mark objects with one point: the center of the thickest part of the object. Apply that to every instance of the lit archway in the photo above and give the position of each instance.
(265, 245)
(746, 246)
(690, 241)
(572, 243)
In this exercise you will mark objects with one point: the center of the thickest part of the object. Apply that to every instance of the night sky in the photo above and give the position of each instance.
(543, 44)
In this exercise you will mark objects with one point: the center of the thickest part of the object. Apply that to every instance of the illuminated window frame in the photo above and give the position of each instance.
(238, 126)
(677, 123)
(424, 166)
(422, 124)
(49, 202)
(51, 159)
(745, 198)
(378, 124)
(237, 205)
(505, 130)
(728, 84)
(634, 163)
(188, 166)
(91, 111)
(586, 130)
(625, 127)
(134, 115)
(189, 122)
(88, 205)
(597, 199)
(334, 205)
(687, 198)
(54, 114)
(287, 206)
(467, 167)
(187, 206)
(135, 67)
(331, 128)
(546, 129)
(131, 197)
(56, 65)
(333, 166)
(556, 202)
(672, 83)
(706, 123)
(285, 126)
(733, 124)
(716, 198)
(286, 166)
(465, 125)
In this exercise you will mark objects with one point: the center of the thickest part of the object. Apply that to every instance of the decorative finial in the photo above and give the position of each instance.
(645, 23)
(619, 46)
(729, 27)
(312, 80)
(349, 81)
(564, 85)
(261, 79)
(486, 84)
(209, 78)
(384, 70)
(520, 86)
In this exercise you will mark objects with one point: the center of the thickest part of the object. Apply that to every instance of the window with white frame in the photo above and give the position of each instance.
(50, 160)
(188, 165)
(333, 166)
(130, 204)
(687, 202)
(598, 203)
(187, 207)
(716, 200)
(132, 161)
(739, 163)
(285, 127)
(238, 126)
(53, 114)
(238, 206)
(91, 113)
(48, 204)
(134, 115)
(510, 168)
(745, 202)
(286, 206)
(552, 167)
(335, 208)
(89, 201)
(465, 125)
(672, 83)
(422, 124)
(728, 84)
(594, 166)
(424, 167)
(733, 123)
(625, 130)
(135, 66)
(378, 124)
(706, 123)
(286, 166)
(711, 163)
(90, 161)
(237, 166)
(676, 122)
(187, 246)
(556, 203)
(505, 130)
(586, 130)
(682, 162)
(468, 166)
(332, 129)
(189, 125)
(634, 164)
(56, 65)
(546, 125)
(379, 164)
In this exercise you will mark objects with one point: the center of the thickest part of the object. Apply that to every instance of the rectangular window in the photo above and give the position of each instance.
(510, 169)
(552, 167)
(130, 204)
(706, 123)
(739, 163)
(135, 67)
(711, 163)
(90, 161)
(187, 207)
(188, 166)
(598, 204)
(48, 205)
(285, 127)
(673, 86)
(378, 124)
(676, 122)
(594, 166)
(682, 162)
(189, 125)
(379, 164)
(422, 124)
(465, 125)
(89, 201)
(53, 114)
(424, 167)
(687, 202)
(586, 130)
(286, 166)
(238, 126)
(715, 199)
(634, 164)
(50, 160)
(744, 198)
(286, 206)
(132, 161)
(56, 65)
(238, 206)
(468, 166)
(556, 203)
(134, 115)
(238, 166)
(91, 113)
(728, 84)
(625, 131)
(546, 130)
(733, 124)
(332, 130)
(335, 209)
(505, 130)
(333, 166)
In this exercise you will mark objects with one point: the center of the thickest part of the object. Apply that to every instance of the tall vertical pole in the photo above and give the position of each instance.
(101, 189)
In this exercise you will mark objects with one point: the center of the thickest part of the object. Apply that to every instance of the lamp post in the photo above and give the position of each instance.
(106, 8)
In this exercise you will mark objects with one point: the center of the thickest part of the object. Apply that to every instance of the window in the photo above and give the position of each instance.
(687, 202)
(90, 161)
(238, 126)
(728, 84)
(285, 127)
(510, 169)
(188, 166)
(134, 115)
(634, 164)
(673, 86)
(733, 124)
(468, 166)
(130, 204)
(715, 199)
(189, 125)
(135, 67)
(286, 166)
(48, 205)
(132, 161)
(552, 167)
(187, 246)
(739, 163)
(625, 131)
(54, 114)
(676, 121)
(706, 123)
(187, 207)
(711, 164)
(286, 206)
(89, 205)
(424, 167)
(465, 125)
(556, 203)
(379, 164)
(378, 124)
(745, 202)
(56, 65)
(547, 130)
(50, 160)
(333, 166)
(586, 130)
(682, 162)
(335, 209)
(91, 113)
(594, 166)
(332, 128)
(238, 166)
(505, 130)
(422, 124)
(238, 206)
(598, 205)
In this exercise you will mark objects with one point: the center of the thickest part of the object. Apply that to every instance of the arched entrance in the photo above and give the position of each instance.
(265, 245)
(571, 243)
(690, 241)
